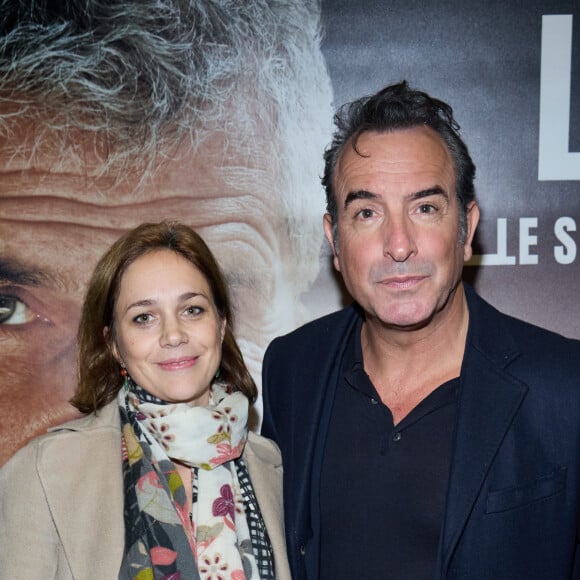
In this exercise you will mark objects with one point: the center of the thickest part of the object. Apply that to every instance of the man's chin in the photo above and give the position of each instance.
(406, 317)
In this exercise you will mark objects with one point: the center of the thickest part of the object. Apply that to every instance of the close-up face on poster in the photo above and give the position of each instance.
(222, 125)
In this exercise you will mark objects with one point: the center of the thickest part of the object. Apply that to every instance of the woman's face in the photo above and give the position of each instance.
(168, 332)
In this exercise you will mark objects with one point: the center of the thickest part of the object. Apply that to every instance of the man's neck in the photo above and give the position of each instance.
(405, 366)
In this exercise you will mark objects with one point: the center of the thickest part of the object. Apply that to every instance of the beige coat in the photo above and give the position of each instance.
(61, 502)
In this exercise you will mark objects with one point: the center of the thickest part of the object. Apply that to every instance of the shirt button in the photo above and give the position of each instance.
(397, 436)
(302, 550)
(374, 402)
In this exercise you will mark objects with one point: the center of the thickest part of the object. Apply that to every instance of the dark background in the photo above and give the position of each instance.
(484, 60)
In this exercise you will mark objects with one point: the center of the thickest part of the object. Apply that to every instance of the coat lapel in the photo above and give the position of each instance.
(490, 399)
(265, 468)
(88, 512)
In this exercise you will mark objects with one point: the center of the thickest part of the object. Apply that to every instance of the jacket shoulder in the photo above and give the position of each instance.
(532, 354)
(263, 448)
(105, 418)
(331, 326)
(495, 329)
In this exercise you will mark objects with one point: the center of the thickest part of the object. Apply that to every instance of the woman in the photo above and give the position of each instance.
(160, 479)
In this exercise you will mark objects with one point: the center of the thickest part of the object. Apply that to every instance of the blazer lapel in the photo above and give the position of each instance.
(490, 398)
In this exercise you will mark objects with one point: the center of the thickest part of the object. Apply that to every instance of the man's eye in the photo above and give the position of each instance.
(427, 208)
(365, 213)
(14, 311)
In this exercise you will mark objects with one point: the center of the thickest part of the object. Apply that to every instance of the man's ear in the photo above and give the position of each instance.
(472, 220)
(329, 233)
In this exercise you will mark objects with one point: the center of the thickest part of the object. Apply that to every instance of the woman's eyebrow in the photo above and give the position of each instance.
(146, 302)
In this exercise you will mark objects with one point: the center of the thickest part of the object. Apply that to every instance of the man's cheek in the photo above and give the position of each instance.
(41, 362)
(35, 397)
(38, 375)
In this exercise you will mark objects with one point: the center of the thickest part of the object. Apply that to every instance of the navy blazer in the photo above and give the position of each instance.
(512, 508)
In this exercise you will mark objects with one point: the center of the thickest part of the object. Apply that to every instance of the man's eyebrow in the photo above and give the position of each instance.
(13, 272)
(435, 190)
(360, 194)
(363, 194)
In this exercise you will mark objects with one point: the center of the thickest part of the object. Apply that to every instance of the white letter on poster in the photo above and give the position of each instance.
(555, 161)
(500, 258)
(566, 253)
(527, 240)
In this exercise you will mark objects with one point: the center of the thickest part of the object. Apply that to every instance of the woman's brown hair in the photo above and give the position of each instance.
(99, 372)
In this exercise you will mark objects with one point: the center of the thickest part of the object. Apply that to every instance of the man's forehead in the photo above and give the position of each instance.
(191, 188)
(410, 141)
(398, 156)
(47, 208)
(57, 218)
(93, 176)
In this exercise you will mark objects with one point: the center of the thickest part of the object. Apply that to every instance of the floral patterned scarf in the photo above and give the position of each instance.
(165, 539)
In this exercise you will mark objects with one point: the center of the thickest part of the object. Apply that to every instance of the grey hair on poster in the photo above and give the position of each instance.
(133, 79)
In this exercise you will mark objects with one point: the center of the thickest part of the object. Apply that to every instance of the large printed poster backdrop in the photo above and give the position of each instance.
(210, 112)
(248, 180)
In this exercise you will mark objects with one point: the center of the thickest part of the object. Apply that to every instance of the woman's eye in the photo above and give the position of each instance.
(194, 310)
(143, 318)
(14, 311)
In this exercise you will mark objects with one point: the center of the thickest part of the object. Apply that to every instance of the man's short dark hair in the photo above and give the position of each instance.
(394, 108)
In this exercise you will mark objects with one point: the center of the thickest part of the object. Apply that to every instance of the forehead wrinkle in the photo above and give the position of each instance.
(249, 166)
(113, 232)
(70, 212)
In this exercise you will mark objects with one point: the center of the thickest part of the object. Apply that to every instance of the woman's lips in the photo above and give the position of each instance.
(178, 364)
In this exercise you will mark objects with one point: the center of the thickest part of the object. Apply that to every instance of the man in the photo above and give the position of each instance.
(116, 113)
(423, 433)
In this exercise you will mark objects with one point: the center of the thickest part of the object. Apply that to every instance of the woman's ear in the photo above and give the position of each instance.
(223, 325)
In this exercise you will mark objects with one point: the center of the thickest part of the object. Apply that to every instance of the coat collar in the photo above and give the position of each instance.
(490, 398)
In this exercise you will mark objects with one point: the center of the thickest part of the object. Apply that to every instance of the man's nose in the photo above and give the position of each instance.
(399, 238)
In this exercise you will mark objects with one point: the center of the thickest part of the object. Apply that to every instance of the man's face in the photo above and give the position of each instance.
(398, 240)
(56, 222)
